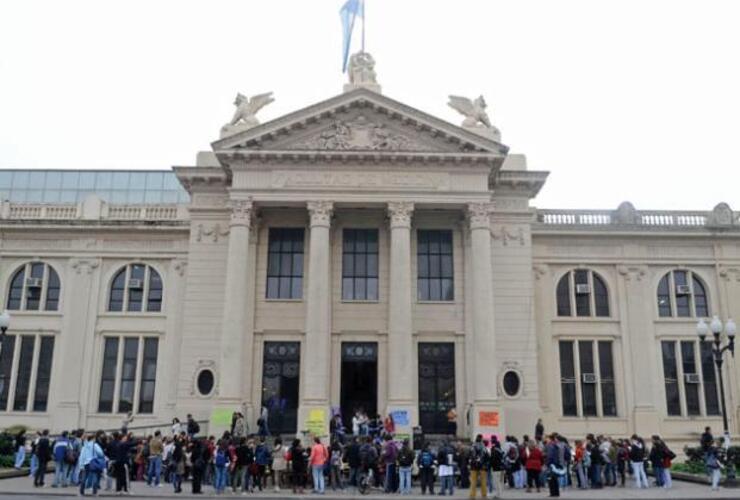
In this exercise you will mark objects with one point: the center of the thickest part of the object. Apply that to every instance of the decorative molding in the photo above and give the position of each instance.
(86, 265)
(540, 270)
(729, 273)
(505, 235)
(241, 212)
(630, 273)
(212, 232)
(180, 267)
(204, 364)
(511, 204)
(320, 212)
(479, 215)
(721, 216)
(365, 179)
(359, 134)
(400, 213)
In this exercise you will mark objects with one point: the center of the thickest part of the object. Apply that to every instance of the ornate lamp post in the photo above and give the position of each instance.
(4, 324)
(718, 350)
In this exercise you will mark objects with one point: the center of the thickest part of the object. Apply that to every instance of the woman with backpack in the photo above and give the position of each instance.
(425, 462)
(221, 465)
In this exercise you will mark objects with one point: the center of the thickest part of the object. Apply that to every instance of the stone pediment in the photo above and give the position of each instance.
(360, 121)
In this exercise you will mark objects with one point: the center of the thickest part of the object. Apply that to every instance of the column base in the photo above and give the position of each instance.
(405, 418)
(313, 421)
(487, 419)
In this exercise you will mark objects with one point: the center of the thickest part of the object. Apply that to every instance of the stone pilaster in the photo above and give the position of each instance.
(400, 342)
(233, 331)
(485, 397)
(317, 348)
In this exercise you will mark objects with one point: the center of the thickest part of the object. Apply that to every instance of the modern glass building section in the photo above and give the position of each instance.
(73, 186)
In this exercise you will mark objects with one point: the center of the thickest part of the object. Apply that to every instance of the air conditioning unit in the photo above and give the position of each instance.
(583, 289)
(589, 378)
(135, 284)
(683, 289)
(33, 282)
(691, 378)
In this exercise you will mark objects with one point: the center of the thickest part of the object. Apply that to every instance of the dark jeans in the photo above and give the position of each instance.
(533, 478)
(119, 470)
(554, 483)
(427, 480)
(596, 476)
(89, 479)
(197, 478)
(38, 479)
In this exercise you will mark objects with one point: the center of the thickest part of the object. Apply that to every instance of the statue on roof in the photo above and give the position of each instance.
(476, 116)
(361, 71)
(245, 114)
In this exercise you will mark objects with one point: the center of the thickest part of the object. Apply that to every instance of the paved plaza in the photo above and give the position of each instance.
(23, 487)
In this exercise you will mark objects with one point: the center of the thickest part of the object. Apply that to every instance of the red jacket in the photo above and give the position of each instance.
(534, 459)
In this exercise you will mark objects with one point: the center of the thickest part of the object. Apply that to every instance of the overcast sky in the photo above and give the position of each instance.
(619, 100)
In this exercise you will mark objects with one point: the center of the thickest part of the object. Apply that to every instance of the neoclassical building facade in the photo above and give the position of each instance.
(357, 253)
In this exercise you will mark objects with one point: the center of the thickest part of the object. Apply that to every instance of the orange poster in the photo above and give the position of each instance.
(488, 419)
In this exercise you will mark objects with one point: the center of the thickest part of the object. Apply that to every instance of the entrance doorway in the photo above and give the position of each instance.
(359, 388)
(281, 370)
(436, 387)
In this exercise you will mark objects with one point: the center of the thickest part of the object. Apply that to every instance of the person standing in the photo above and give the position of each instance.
(118, 452)
(711, 461)
(446, 461)
(177, 464)
(156, 450)
(352, 457)
(317, 461)
(405, 463)
(43, 455)
(656, 457)
(297, 461)
(425, 462)
(198, 461)
(262, 459)
(496, 481)
(279, 464)
(92, 461)
(478, 464)
(20, 448)
(707, 440)
(221, 465)
(539, 431)
(389, 457)
(533, 465)
(240, 427)
(61, 469)
(263, 422)
(554, 465)
(637, 458)
(192, 427)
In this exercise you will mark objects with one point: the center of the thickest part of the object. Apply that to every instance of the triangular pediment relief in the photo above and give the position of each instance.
(360, 121)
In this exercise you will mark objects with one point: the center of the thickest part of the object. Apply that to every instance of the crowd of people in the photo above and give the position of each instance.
(239, 462)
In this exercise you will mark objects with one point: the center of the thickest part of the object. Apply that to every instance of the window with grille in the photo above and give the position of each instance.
(582, 292)
(128, 374)
(34, 287)
(25, 372)
(136, 288)
(587, 382)
(681, 294)
(435, 272)
(690, 378)
(285, 263)
(360, 264)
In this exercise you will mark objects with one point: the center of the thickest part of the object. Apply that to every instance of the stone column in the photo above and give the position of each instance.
(401, 376)
(317, 347)
(486, 414)
(231, 367)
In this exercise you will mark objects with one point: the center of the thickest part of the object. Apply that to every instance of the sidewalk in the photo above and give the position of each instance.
(681, 490)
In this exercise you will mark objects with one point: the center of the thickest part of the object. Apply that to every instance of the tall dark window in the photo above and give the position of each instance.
(129, 363)
(108, 377)
(128, 375)
(43, 374)
(34, 287)
(285, 263)
(699, 378)
(436, 386)
(136, 288)
(435, 280)
(360, 264)
(25, 367)
(281, 370)
(148, 376)
(6, 369)
(682, 294)
(584, 292)
(587, 375)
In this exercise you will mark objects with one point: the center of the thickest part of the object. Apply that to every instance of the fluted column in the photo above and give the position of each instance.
(318, 307)
(233, 330)
(400, 342)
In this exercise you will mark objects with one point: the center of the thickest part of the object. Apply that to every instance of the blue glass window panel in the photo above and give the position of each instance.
(4, 194)
(52, 196)
(34, 195)
(6, 178)
(87, 180)
(137, 180)
(170, 181)
(82, 194)
(153, 197)
(18, 195)
(20, 179)
(36, 179)
(169, 196)
(154, 180)
(53, 180)
(104, 195)
(104, 180)
(120, 180)
(70, 180)
(68, 196)
(136, 196)
(118, 197)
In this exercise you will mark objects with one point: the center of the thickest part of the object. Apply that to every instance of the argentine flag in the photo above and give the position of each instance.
(348, 13)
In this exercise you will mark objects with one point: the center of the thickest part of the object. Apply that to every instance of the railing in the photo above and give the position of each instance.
(641, 218)
(98, 211)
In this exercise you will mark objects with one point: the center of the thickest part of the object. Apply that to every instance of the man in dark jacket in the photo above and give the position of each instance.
(43, 455)
(553, 463)
(118, 452)
(352, 457)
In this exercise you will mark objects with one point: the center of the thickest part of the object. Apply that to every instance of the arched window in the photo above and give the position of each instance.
(584, 292)
(681, 294)
(136, 288)
(34, 287)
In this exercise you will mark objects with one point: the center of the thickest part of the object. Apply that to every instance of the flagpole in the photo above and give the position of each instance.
(363, 25)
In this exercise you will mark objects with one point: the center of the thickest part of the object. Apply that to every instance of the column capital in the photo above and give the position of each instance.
(479, 215)
(241, 212)
(320, 212)
(400, 213)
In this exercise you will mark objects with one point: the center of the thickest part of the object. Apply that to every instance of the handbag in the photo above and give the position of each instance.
(97, 464)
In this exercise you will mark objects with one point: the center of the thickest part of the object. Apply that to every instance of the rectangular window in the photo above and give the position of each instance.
(285, 263)
(136, 293)
(360, 264)
(587, 374)
(670, 373)
(435, 273)
(568, 379)
(23, 380)
(128, 375)
(583, 300)
(683, 300)
(6, 367)
(711, 397)
(43, 374)
(691, 378)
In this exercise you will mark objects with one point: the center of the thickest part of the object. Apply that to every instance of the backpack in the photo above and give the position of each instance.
(427, 459)
(71, 456)
(194, 428)
(406, 457)
(478, 456)
(497, 462)
(221, 458)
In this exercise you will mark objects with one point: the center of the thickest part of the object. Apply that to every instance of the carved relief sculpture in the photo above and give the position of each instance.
(320, 212)
(359, 134)
(400, 213)
(474, 112)
(245, 114)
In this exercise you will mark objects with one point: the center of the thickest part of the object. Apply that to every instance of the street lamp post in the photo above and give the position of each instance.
(718, 350)
(4, 324)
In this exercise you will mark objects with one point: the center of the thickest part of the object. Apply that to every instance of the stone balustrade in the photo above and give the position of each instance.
(92, 209)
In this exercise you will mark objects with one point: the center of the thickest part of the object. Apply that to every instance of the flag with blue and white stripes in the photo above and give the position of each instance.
(349, 12)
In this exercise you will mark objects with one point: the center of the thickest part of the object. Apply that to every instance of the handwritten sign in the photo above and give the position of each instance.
(488, 419)
(221, 417)
(316, 422)
(400, 417)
